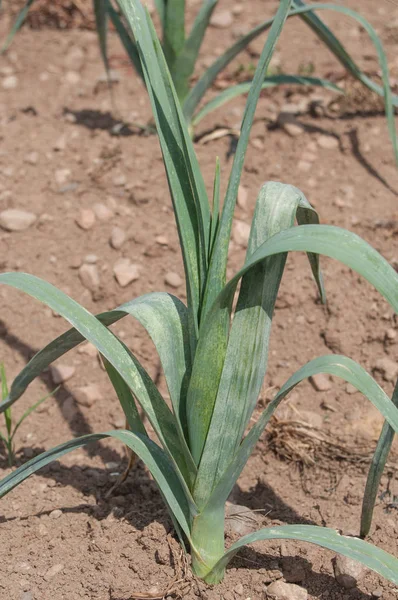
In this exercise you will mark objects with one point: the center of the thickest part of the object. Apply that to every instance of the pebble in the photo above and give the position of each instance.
(240, 233)
(120, 180)
(286, 591)
(13, 219)
(89, 276)
(103, 212)
(239, 589)
(391, 334)
(60, 144)
(74, 60)
(222, 19)
(69, 409)
(55, 514)
(89, 349)
(72, 77)
(240, 519)
(62, 176)
(87, 395)
(32, 158)
(347, 571)
(242, 197)
(53, 572)
(125, 272)
(328, 142)
(61, 373)
(27, 596)
(85, 219)
(377, 593)
(321, 382)
(10, 82)
(351, 389)
(162, 240)
(91, 259)
(388, 368)
(289, 123)
(118, 237)
(173, 279)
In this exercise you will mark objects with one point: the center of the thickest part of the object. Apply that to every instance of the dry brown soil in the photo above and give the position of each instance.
(98, 548)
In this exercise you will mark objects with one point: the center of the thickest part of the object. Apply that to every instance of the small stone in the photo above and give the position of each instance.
(91, 259)
(238, 589)
(89, 277)
(27, 596)
(74, 60)
(162, 240)
(55, 514)
(242, 197)
(13, 219)
(69, 409)
(328, 142)
(103, 212)
(222, 19)
(286, 591)
(32, 158)
(321, 382)
(87, 395)
(388, 368)
(61, 373)
(288, 122)
(351, 389)
(241, 233)
(347, 571)
(240, 519)
(237, 9)
(53, 572)
(339, 202)
(118, 237)
(173, 279)
(62, 176)
(391, 334)
(89, 349)
(303, 165)
(72, 77)
(125, 272)
(120, 180)
(86, 218)
(377, 593)
(10, 82)
(60, 144)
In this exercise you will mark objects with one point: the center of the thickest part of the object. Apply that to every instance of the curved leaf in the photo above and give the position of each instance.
(17, 25)
(369, 555)
(124, 36)
(135, 376)
(163, 316)
(243, 88)
(177, 497)
(101, 21)
(341, 366)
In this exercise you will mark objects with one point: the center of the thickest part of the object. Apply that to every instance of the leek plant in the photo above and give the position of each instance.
(214, 364)
(181, 50)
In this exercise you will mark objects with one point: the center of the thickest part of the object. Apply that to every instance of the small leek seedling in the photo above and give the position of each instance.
(11, 429)
(181, 50)
(214, 365)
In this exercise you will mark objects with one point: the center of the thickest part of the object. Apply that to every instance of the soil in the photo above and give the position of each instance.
(98, 547)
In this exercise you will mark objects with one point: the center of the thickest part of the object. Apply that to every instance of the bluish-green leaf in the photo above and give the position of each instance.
(17, 25)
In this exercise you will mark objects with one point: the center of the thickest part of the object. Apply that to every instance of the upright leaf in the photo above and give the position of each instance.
(191, 205)
(19, 21)
(229, 410)
(173, 32)
(124, 36)
(184, 65)
(101, 21)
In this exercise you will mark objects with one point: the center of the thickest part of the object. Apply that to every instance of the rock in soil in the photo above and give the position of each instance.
(222, 19)
(89, 276)
(240, 233)
(240, 519)
(286, 591)
(321, 382)
(61, 373)
(86, 218)
(118, 237)
(173, 279)
(348, 572)
(16, 220)
(125, 272)
(88, 394)
(387, 367)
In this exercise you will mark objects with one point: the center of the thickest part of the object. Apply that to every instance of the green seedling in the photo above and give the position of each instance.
(11, 428)
(214, 352)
